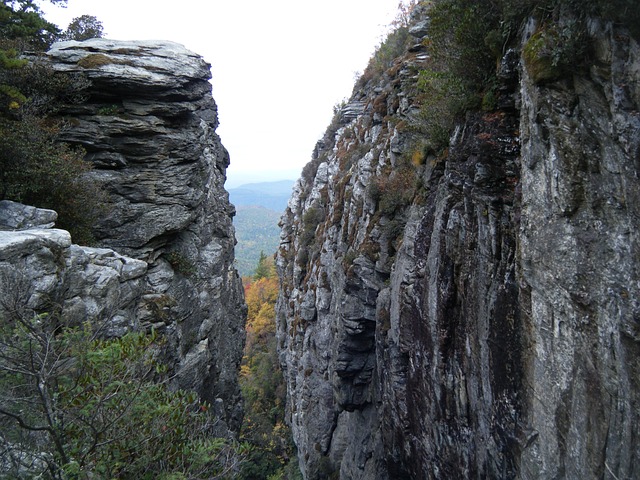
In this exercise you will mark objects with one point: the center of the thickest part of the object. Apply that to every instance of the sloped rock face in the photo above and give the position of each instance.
(148, 125)
(469, 315)
(149, 128)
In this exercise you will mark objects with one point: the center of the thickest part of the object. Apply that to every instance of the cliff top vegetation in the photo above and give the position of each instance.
(35, 168)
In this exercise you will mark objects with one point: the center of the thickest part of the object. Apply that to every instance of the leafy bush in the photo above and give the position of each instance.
(394, 191)
(310, 221)
(91, 408)
(466, 37)
(36, 169)
(457, 40)
(445, 99)
(387, 52)
(181, 264)
(460, 65)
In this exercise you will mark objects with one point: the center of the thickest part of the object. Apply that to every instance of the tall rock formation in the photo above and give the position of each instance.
(471, 314)
(148, 125)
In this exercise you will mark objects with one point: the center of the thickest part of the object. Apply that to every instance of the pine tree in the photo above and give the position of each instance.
(265, 268)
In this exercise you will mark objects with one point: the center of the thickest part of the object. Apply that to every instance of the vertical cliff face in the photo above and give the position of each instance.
(578, 260)
(469, 314)
(148, 125)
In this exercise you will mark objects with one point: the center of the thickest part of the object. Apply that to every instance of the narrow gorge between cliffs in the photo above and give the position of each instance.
(455, 293)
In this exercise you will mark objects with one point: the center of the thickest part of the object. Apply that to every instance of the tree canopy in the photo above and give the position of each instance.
(22, 21)
(263, 388)
(73, 405)
(83, 28)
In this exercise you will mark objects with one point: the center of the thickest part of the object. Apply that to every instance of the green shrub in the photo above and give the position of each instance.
(181, 264)
(456, 40)
(459, 68)
(93, 409)
(556, 50)
(395, 190)
(34, 167)
(37, 170)
(108, 110)
(445, 98)
(310, 221)
(394, 45)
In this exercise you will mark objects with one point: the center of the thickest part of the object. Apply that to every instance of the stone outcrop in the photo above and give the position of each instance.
(164, 254)
(43, 271)
(471, 314)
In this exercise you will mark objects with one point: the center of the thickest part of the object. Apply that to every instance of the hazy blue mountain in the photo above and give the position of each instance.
(271, 195)
(256, 230)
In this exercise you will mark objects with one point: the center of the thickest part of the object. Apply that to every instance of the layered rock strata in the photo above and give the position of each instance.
(164, 256)
(471, 314)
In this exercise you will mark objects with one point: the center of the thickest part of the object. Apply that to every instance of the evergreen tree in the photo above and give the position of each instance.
(84, 28)
(265, 268)
(21, 21)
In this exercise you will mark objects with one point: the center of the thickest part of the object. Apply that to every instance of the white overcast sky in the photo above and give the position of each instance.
(278, 66)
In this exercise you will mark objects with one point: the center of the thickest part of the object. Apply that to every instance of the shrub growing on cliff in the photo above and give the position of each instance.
(73, 405)
(393, 46)
(459, 68)
(467, 37)
(310, 221)
(34, 167)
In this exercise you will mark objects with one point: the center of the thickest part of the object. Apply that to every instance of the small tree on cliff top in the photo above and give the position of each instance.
(84, 28)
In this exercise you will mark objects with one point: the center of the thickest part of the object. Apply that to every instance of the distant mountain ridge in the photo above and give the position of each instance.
(259, 207)
(271, 195)
(256, 231)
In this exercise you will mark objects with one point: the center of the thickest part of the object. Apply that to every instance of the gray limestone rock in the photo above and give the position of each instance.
(43, 268)
(476, 315)
(578, 257)
(15, 216)
(164, 255)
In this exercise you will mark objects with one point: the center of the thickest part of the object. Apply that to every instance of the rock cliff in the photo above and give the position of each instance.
(164, 257)
(470, 314)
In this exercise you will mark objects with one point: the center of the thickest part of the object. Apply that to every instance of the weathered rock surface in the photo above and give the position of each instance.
(43, 271)
(165, 241)
(579, 266)
(476, 315)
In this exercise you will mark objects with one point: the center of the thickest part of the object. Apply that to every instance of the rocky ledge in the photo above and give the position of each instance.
(165, 241)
